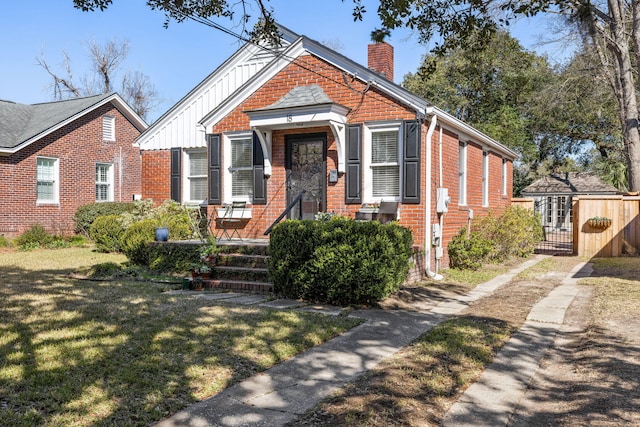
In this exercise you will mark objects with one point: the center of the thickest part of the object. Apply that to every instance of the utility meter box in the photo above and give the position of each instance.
(442, 200)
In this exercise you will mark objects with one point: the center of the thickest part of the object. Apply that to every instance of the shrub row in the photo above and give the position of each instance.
(515, 233)
(85, 215)
(131, 232)
(339, 261)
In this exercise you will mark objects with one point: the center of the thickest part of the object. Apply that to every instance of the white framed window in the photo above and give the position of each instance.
(104, 182)
(196, 168)
(47, 180)
(485, 178)
(108, 128)
(462, 173)
(238, 166)
(382, 155)
(504, 176)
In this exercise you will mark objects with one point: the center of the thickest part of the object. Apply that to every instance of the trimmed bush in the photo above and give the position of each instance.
(469, 252)
(515, 233)
(174, 257)
(135, 241)
(86, 214)
(106, 231)
(339, 261)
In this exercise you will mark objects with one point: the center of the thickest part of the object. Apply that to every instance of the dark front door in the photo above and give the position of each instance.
(306, 170)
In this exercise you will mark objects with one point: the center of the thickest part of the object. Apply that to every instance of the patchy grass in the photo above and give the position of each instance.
(419, 384)
(79, 352)
(415, 386)
(616, 283)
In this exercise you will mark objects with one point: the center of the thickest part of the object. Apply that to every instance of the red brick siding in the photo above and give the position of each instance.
(373, 106)
(77, 146)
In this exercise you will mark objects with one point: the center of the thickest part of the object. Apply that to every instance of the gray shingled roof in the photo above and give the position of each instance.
(19, 122)
(569, 183)
(300, 96)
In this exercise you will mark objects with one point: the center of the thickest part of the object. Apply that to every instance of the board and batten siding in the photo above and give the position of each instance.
(179, 127)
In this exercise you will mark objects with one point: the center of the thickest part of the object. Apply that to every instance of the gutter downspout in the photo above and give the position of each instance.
(427, 213)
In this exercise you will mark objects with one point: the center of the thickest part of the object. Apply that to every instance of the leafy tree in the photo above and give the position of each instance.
(136, 88)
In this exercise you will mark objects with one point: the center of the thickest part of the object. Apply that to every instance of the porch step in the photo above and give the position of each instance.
(238, 285)
(242, 268)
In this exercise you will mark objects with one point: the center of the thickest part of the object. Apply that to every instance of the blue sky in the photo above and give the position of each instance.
(178, 58)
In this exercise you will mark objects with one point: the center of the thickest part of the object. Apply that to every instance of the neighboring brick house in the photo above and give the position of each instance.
(271, 122)
(57, 156)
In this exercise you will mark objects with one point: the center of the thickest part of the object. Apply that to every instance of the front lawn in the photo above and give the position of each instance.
(78, 352)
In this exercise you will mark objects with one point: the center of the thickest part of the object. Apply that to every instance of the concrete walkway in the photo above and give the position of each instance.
(289, 389)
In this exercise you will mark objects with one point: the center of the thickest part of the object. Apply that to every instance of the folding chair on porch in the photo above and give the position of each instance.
(231, 220)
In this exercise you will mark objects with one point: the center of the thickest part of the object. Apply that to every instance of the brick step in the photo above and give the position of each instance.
(240, 273)
(242, 260)
(238, 285)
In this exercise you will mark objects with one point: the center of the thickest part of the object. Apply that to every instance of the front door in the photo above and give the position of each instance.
(306, 170)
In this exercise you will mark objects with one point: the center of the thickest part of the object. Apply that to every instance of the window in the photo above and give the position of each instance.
(504, 176)
(109, 128)
(383, 154)
(239, 165)
(561, 210)
(485, 178)
(462, 173)
(197, 175)
(47, 180)
(104, 182)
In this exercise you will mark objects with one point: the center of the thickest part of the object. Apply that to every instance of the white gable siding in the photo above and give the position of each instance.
(179, 127)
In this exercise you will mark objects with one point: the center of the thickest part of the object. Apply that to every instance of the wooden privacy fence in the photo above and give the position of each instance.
(603, 226)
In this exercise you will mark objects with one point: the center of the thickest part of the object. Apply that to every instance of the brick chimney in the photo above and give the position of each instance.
(380, 59)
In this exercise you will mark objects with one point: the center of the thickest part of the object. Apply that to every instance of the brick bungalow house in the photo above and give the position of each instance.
(270, 122)
(57, 156)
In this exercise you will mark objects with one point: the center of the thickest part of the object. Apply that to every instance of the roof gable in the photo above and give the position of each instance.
(21, 125)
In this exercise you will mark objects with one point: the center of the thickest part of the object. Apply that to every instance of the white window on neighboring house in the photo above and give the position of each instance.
(462, 173)
(197, 175)
(239, 167)
(485, 178)
(47, 178)
(108, 128)
(104, 182)
(382, 153)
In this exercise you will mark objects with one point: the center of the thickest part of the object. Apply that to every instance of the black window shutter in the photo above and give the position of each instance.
(259, 180)
(411, 163)
(353, 178)
(176, 171)
(215, 169)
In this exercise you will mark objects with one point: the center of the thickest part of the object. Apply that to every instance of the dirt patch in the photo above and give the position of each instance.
(589, 377)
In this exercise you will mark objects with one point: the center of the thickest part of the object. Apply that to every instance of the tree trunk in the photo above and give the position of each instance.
(611, 38)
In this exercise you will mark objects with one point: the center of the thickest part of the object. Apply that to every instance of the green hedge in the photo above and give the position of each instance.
(106, 231)
(339, 261)
(515, 233)
(86, 214)
(170, 257)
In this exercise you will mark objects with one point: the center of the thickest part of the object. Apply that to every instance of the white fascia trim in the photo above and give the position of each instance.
(119, 103)
(470, 133)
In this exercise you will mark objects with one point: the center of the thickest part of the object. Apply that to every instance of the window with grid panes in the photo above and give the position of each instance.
(104, 182)
(47, 180)
(241, 168)
(197, 175)
(385, 163)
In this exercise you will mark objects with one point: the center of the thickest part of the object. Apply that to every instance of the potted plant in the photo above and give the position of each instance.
(599, 222)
